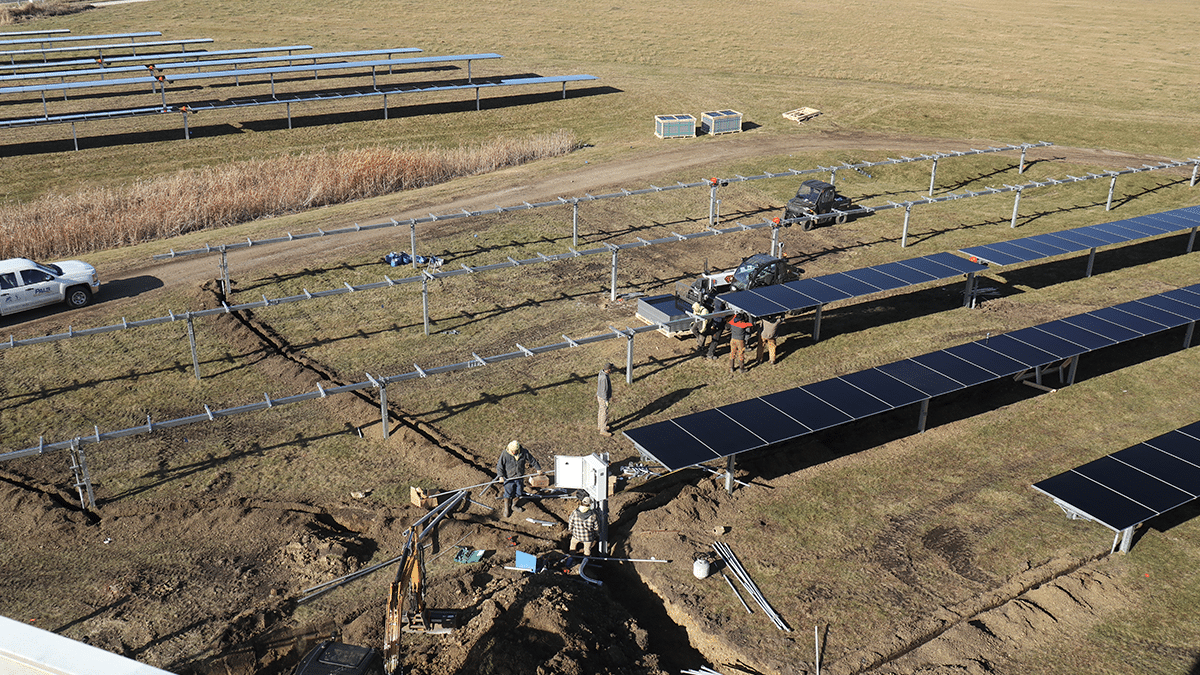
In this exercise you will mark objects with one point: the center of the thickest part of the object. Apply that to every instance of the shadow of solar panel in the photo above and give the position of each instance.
(990, 360)
(963, 372)
(764, 420)
(817, 290)
(993, 255)
(904, 273)
(752, 303)
(722, 435)
(1101, 235)
(848, 284)
(1076, 335)
(1165, 466)
(1051, 344)
(1099, 326)
(1180, 444)
(1188, 312)
(930, 382)
(1112, 509)
(847, 398)
(1080, 238)
(872, 276)
(807, 409)
(1020, 351)
(670, 445)
(1140, 487)
(787, 297)
(1183, 295)
(1126, 320)
(1158, 316)
(892, 391)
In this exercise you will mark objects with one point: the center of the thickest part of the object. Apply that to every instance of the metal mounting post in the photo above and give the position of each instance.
(1127, 538)
(833, 176)
(712, 205)
(629, 357)
(83, 480)
(924, 416)
(1016, 205)
(1191, 240)
(575, 223)
(904, 235)
(1021, 168)
(817, 323)
(192, 341)
(1091, 261)
(729, 474)
(1187, 337)
(613, 294)
(1195, 168)
(1072, 369)
(225, 272)
(425, 300)
(969, 293)
(775, 241)
(383, 409)
(933, 176)
(412, 241)
(1112, 185)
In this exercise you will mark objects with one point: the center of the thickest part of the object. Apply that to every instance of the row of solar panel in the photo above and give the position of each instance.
(197, 55)
(1131, 486)
(1085, 238)
(182, 43)
(206, 63)
(766, 420)
(813, 292)
(52, 39)
(307, 68)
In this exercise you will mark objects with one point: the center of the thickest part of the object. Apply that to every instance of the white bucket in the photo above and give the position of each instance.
(700, 568)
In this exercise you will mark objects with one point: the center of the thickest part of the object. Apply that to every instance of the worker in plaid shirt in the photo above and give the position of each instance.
(584, 526)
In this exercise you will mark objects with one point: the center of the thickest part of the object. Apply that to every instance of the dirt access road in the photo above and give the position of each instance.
(514, 185)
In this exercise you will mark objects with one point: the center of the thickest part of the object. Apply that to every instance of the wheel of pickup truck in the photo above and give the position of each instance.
(78, 296)
(809, 225)
(840, 219)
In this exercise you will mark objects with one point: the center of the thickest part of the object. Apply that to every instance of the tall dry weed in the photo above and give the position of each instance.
(68, 225)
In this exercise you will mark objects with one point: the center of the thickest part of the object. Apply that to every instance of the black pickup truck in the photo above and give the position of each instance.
(817, 198)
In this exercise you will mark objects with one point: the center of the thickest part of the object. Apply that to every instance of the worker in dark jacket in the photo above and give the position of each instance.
(740, 329)
(603, 396)
(510, 468)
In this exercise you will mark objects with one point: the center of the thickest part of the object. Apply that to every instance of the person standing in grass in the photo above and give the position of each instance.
(603, 397)
(767, 330)
(740, 329)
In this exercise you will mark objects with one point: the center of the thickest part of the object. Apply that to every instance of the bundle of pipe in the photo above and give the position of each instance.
(739, 572)
(704, 670)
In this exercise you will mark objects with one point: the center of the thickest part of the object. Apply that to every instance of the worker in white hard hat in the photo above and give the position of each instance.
(584, 526)
(509, 469)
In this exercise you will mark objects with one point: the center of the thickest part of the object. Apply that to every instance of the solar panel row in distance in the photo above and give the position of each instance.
(1087, 238)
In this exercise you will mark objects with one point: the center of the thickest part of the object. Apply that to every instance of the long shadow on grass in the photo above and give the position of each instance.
(855, 437)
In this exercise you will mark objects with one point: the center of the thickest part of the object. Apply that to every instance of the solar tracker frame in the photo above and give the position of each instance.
(1123, 490)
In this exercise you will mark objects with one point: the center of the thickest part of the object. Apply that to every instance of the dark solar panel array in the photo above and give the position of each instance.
(749, 425)
(816, 291)
(1086, 238)
(1129, 487)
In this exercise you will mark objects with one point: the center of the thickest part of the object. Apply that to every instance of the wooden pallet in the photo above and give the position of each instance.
(799, 115)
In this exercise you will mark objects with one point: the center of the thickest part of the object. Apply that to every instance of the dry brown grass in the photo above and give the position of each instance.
(19, 12)
(96, 219)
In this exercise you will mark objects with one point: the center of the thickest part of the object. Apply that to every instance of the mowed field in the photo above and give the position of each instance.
(900, 547)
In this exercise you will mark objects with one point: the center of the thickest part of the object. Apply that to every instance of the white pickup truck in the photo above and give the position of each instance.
(25, 284)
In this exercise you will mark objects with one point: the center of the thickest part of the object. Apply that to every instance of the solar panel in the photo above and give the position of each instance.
(869, 275)
(747, 425)
(1085, 238)
(1129, 487)
(813, 288)
(848, 284)
(905, 273)
(1159, 316)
